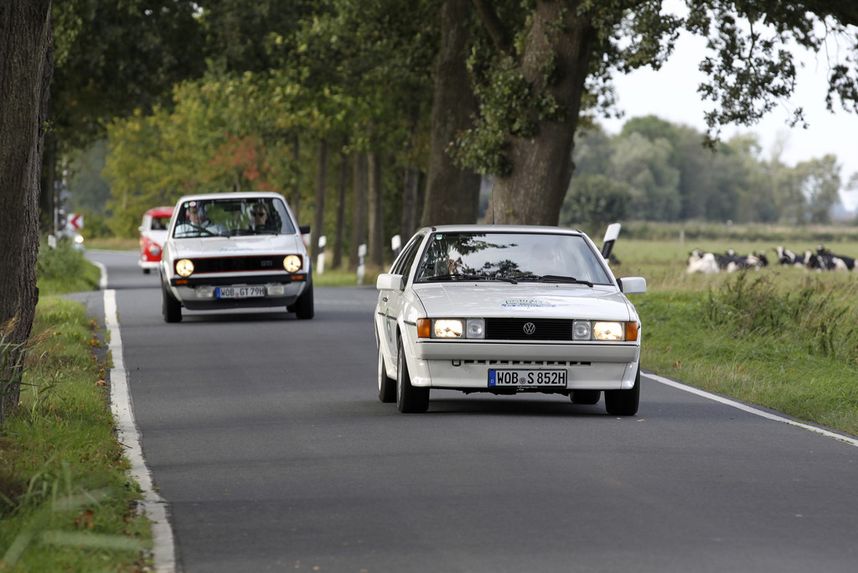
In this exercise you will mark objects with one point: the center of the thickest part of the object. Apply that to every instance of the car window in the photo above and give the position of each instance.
(160, 223)
(403, 262)
(518, 256)
(200, 218)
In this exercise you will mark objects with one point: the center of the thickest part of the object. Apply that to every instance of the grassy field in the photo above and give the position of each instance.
(67, 503)
(781, 337)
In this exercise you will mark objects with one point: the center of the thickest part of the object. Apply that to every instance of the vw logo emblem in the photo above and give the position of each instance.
(529, 328)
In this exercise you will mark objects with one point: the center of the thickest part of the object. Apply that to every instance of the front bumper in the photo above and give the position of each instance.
(148, 264)
(465, 365)
(200, 293)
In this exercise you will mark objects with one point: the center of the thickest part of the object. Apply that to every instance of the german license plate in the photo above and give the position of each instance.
(239, 292)
(524, 378)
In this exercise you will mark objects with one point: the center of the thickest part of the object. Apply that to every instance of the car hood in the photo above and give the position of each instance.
(528, 300)
(238, 246)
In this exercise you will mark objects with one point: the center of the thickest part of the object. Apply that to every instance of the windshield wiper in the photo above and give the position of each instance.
(561, 279)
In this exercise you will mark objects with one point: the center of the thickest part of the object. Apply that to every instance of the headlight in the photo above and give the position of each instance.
(292, 263)
(447, 328)
(451, 328)
(184, 267)
(581, 330)
(609, 331)
(154, 249)
(476, 328)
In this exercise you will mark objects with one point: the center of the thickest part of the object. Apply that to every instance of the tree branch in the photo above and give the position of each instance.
(493, 25)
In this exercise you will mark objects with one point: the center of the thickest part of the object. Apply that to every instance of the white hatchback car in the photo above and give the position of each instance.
(235, 250)
(506, 309)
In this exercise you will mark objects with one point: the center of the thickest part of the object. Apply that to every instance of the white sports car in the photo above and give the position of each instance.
(506, 309)
(235, 250)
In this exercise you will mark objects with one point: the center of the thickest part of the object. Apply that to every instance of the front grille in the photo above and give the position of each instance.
(237, 264)
(517, 329)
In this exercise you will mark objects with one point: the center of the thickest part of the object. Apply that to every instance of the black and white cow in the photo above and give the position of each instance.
(707, 263)
(824, 260)
(787, 257)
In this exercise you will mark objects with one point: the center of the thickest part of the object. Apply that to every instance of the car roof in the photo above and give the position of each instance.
(502, 229)
(232, 195)
(160, 211)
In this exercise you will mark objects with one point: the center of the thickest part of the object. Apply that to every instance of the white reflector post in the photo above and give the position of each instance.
(611, 235)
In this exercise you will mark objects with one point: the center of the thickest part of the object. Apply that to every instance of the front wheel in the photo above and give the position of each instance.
(171, 309)
(624, 402)
(304, 309)
(386, 385)
(409, 399)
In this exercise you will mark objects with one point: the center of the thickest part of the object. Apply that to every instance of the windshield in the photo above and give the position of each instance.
(232, 217)
(511, 257)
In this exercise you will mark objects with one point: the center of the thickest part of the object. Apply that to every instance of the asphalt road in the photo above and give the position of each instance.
(265, 436)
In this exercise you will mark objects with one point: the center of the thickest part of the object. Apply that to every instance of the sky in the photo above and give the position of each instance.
(671, 93)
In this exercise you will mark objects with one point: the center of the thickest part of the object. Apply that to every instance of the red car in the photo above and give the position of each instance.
(153, 233)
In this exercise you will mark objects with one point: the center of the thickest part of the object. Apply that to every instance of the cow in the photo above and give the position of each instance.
(700, 262)
(824, 260)
(708, 263)
(787, 257)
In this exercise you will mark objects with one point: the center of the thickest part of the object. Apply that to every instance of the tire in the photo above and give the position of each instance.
(304, 309)
(409, 399)
(386, 385)
(588, 397)
(170, 307)
(624, 402)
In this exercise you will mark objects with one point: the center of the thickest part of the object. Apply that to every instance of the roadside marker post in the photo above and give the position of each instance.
(320, 258)
(361, 268)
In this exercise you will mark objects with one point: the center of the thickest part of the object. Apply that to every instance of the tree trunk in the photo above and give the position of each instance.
(408, 222)
(47, 197)
(25, 76)
(295, 199)
(340, 235)
(318, 229)
(542, 166)
(358, 207)
(376, 212)
(452, 194)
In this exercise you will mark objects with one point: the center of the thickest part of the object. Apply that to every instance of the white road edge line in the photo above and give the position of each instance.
(164, 547)
(102, 282)
(751, 410)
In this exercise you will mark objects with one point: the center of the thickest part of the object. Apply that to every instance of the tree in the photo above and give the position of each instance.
(820, 184)
(25, 77)
(451, 192)
(533, 90)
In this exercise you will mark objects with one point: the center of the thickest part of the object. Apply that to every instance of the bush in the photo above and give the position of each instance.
(64, 269)
(812, 314)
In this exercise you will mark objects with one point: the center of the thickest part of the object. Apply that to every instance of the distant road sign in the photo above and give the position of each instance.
(74, 221)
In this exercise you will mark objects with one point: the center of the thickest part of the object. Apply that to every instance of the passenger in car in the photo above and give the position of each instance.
(260, 221)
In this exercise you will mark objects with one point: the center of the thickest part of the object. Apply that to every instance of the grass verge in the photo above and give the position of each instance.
(66, 501)
(764, 339)
(64, 269)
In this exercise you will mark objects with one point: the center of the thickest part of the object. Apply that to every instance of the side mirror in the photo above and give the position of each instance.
(632, 285)
(388, 281)
(140, 228)
(304, 229)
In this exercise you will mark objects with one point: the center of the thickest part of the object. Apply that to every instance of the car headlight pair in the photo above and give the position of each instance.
(475, 328)
(601, 330)
(451, 328)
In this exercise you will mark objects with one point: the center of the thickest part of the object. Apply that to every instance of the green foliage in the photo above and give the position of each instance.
(64, 269)
(671, 176)
(807, 313)
(594, 201)
(66, 503)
